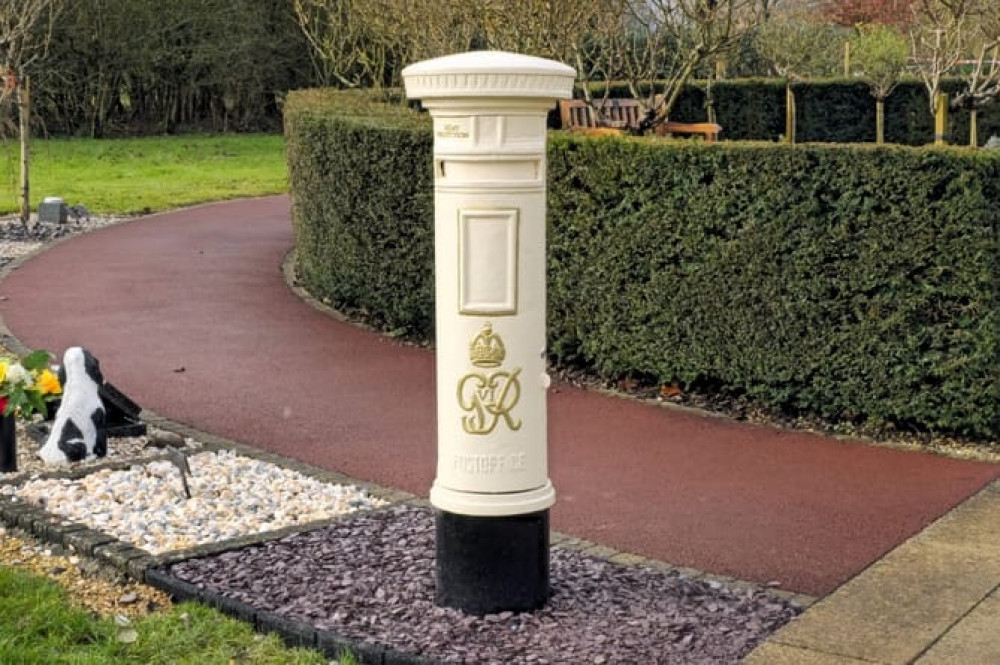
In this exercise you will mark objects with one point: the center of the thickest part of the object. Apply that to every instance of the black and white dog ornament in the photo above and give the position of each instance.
(78, 431)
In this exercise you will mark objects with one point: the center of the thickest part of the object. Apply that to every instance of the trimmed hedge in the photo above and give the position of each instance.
(850, 282)
(853, 282)
(829, 111)
(363, 206)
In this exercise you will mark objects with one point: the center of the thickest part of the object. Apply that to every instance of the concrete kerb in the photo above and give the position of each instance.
(925, 602)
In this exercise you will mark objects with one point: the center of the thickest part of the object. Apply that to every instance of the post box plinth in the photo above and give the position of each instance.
(487, 565)
(491, 492)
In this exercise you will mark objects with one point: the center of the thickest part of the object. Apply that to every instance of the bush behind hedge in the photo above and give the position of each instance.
(828, 111)
(854, 282)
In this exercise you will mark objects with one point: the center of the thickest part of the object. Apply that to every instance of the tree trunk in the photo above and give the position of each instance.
(879, 121)
(940, 118)
(847, 58)
(721, 67)
(789, 114)
(974, 128)
(670, 97)
(24, 127)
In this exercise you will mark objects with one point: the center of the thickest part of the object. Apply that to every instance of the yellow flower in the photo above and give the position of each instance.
(48, 383)
(3, 370)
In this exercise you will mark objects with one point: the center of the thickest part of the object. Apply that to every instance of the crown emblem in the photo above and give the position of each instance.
(486, 349)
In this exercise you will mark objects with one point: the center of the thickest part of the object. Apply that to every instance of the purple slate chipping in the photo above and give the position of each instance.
(371, 578)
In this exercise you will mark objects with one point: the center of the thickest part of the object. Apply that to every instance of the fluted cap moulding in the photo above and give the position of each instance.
(489, 74)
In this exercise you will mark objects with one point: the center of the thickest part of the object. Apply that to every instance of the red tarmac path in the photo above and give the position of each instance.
(202, 289)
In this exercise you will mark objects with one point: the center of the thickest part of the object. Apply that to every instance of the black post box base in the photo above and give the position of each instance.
(487, 565)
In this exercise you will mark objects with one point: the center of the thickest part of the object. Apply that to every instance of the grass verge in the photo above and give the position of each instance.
(38, 625)
(146, 174)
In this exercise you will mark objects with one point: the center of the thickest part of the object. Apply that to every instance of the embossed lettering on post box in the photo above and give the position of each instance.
(452, 128)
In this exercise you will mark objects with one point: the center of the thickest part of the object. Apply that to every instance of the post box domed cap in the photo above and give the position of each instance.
(489, 74)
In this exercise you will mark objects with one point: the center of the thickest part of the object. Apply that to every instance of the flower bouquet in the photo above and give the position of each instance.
(26, 385)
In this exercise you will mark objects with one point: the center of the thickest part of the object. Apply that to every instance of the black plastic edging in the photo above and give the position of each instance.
(231, 606)
(292, 632)
(177, 588)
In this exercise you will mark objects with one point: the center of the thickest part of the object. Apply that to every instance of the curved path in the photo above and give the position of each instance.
(189, 314)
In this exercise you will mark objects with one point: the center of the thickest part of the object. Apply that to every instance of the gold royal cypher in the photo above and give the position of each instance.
(488, 397)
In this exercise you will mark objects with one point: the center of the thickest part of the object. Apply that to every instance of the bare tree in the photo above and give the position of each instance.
(340, 40)
(581, 33)
(662, 43)
(982, 82)
(546, 28)
(25, 28)
(367, 42)
(797, 47)
(938, 36)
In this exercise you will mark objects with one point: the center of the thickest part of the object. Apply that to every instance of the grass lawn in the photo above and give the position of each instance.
(146, 174)
(39, 626)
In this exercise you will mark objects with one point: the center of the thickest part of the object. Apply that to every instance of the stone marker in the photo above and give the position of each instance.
(52, 210)
(492, 492)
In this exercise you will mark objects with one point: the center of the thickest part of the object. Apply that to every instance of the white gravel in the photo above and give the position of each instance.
(232, 496)
(17, 239)
(120, 448)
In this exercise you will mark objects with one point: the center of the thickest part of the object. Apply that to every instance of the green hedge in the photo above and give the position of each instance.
(834, 111)
(845, 281)
(853, 282)
(363, 205)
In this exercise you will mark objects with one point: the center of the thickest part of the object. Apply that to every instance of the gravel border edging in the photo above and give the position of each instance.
(125, 557)
(143, 567)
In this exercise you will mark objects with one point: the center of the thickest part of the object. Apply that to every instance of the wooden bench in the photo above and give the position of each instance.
(621, 114)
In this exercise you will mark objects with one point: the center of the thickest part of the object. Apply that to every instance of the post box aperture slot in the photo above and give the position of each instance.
(498, 172)
(487, 261)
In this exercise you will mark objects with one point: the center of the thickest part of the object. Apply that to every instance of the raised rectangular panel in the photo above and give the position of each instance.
(524, 129)
(489, 131)
(487, 261)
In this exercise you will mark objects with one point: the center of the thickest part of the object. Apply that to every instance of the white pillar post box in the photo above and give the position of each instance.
(492, 492)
